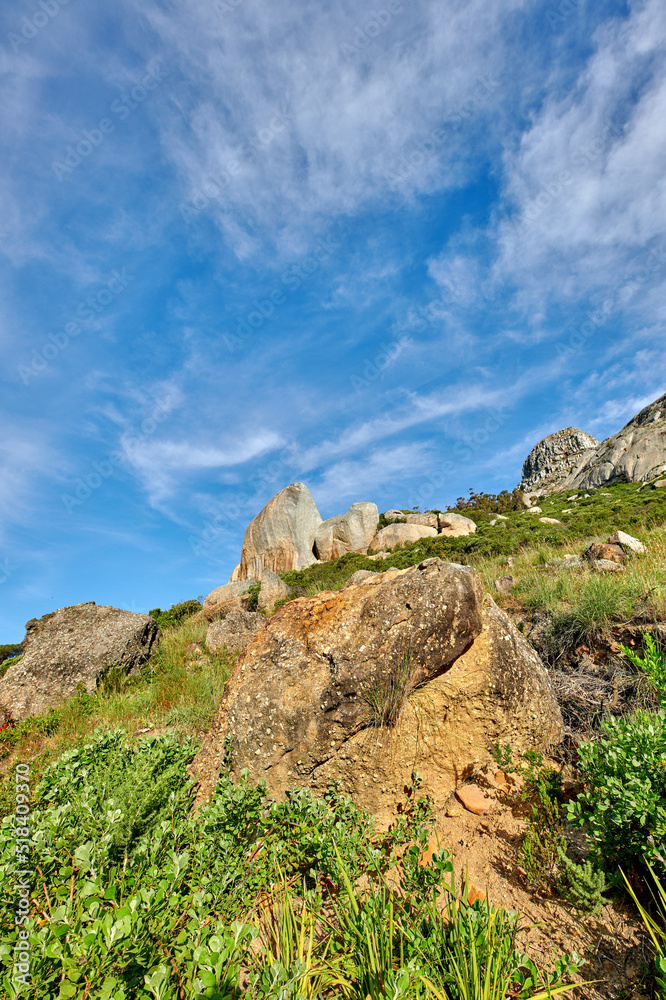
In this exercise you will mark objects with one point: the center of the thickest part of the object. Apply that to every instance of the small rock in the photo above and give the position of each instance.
(606, 566)
(610, 553)
(473, 894)
(194, 648)
(549, 520)
(452, 813)
(569, 510)
(534, 510)
(511, 561)
(500, 517)
(505, 584)
(473, 799)
(628, 542)
(660, 483)
(379, 555)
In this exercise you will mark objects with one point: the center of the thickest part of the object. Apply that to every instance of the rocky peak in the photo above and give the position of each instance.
(555, 458)
(651, 414)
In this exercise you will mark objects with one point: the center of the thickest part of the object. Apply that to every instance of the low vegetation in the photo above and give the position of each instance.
(136, 896)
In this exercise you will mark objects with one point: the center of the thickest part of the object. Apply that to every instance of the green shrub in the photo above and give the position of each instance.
(581, 885)
(653, 664)
(624, 805)
(253, 600)
(176, 613)
(543, 840)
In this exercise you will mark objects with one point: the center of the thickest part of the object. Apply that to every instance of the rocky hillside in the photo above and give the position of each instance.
(572, 459)
(553, 459)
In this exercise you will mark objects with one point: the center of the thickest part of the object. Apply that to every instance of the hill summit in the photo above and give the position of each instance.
(573, 459)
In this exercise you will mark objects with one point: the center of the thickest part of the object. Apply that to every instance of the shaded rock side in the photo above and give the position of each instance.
(72, 646)
(298, 707)
(555, 458)
(281, 536)
(350, 532)
(636, 453)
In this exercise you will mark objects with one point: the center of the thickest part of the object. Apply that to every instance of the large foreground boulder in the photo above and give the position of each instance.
(72, 646)
(350, 532)
(408, 669)
(281, 536)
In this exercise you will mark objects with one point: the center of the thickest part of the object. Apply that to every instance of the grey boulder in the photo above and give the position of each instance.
(281, 536)
(350, 532)
(235, 631)
(72, 646)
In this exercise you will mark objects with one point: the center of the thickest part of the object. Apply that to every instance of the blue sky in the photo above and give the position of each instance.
(381, 249)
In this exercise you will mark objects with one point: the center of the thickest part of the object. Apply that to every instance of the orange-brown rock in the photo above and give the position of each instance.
(409, 669)
(473, 799)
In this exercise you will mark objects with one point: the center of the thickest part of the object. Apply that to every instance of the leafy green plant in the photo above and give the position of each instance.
(583, 885)
(652, 663)
(622, 806)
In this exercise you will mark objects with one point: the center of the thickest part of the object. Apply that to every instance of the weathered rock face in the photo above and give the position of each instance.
(400, 534)
(281, 536)
(272, 589)
(350, 532)
(428, 520)
(636, 453)
(72, 646)
(555, 458)
(230, 597)
(306, 701)
(571, 459)
(455, 525)
(235, 631)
